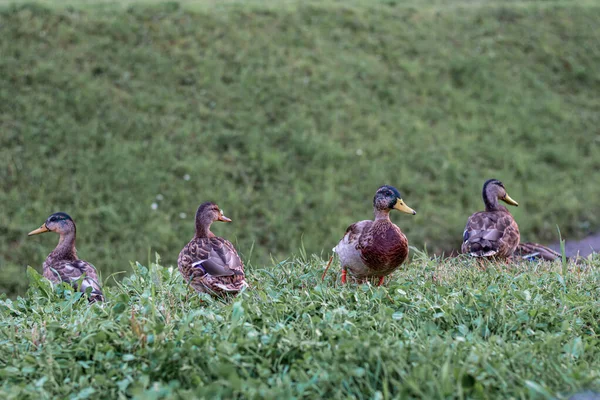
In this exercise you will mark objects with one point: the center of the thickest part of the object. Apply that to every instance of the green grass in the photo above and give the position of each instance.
(437, 330)
(290, 117)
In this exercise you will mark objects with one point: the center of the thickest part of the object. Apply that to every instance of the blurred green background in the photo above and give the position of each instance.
(289, 116)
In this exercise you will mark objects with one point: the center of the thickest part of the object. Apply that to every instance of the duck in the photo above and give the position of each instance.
(374, 248)
(492, 233)
(208, 263)
(62, 264)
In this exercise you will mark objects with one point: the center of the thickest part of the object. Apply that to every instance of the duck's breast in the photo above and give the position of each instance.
(386, 251)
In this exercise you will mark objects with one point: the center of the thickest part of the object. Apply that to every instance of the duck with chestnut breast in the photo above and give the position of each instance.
(210, 263)
(492, 233)
(374, 249)
(63, 265)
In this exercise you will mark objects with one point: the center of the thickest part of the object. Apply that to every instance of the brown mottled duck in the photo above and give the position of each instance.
(492, 233)
(374, 249)
(63, 265)
(210, 263)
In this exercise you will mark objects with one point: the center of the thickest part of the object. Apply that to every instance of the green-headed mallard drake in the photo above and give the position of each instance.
(63, 265)
(374, 248)
(210, 263)
(493, 232)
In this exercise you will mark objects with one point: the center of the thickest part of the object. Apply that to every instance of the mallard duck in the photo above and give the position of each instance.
(493, 232)
(374, 248)
(63, 265)
(210, 263)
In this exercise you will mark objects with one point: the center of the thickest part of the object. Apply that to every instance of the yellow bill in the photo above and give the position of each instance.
(508, 200)
(400, 206)
(39, 230)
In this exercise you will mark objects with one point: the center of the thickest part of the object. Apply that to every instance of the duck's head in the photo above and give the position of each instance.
(209, 212)
(388, 198)
(494, 190)
(59, 222)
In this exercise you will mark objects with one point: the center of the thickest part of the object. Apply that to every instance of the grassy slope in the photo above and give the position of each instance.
(438, 330)
(267, 110)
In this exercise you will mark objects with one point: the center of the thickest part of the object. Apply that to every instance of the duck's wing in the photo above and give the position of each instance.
(349, 249)
(356, 235)
(215, 257)
(73, 271)
(212, 265)
(489, 234)
(221, 259)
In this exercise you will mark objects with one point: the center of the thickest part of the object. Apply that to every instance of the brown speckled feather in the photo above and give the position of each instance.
(491, 234)
(71, 271)
(212, 265)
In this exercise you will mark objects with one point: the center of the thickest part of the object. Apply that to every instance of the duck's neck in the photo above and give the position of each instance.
(491, 203)
(65, 250)
(203, 229)
(382, 215)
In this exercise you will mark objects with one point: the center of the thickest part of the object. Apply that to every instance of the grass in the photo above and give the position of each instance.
(129, 115)
(290, 117)
(437, 330)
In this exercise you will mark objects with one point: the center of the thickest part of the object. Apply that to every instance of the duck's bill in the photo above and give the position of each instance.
(508, 200)
(400, 206)
(39, 230)
(223, 218)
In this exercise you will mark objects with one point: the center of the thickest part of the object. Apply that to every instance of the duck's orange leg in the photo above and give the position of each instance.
(344, 275)
(326, 268)
(381, 281)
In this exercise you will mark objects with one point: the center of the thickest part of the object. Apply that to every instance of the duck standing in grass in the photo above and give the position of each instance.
(63, 265)
(210, 263)
(374, 249)
(492, 233)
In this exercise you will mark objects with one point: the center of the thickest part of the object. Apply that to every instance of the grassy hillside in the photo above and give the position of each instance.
(290, 117)
(437, 331)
